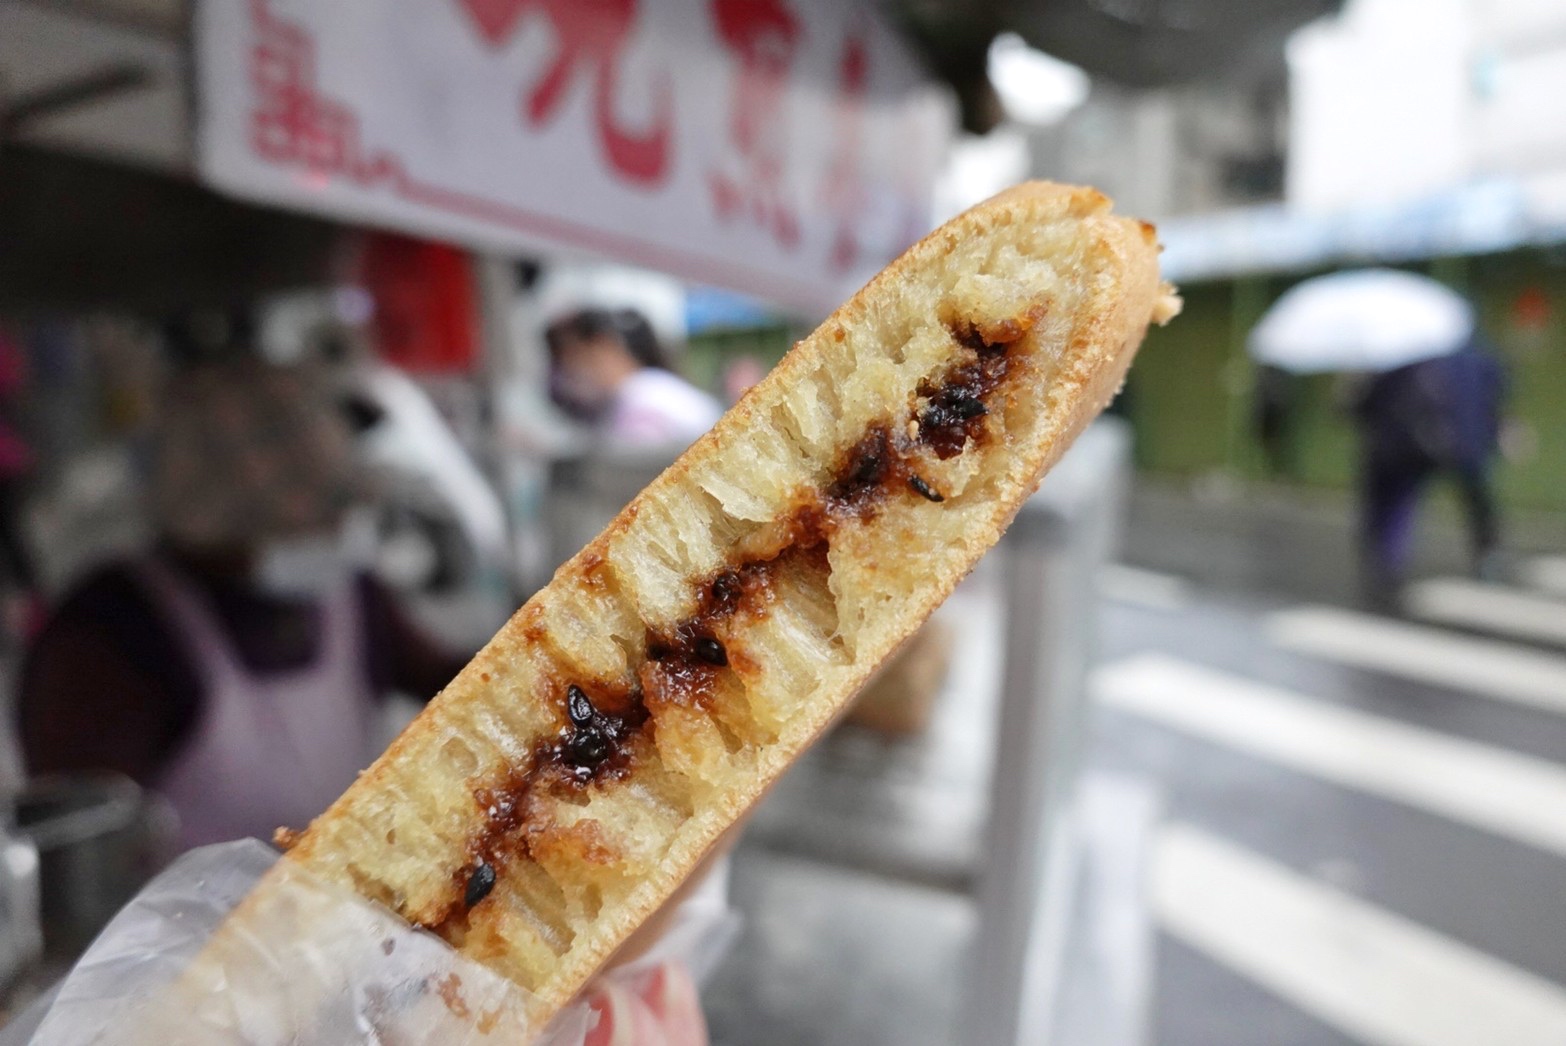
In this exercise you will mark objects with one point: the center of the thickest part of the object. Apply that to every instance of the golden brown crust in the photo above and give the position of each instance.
(723, 620)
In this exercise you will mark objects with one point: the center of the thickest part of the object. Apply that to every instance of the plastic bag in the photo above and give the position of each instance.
(311, 963)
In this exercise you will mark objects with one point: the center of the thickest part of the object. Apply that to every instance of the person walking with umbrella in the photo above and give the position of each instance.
(1441, 415)
(1431, 407)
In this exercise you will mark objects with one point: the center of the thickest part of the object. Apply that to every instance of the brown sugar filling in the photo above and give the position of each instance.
(608, 727)
(956, 408)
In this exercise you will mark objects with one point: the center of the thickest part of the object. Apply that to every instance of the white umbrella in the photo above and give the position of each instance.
(1365, 320)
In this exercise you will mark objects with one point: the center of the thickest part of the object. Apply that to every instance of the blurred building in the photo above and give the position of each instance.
(1388, 102)
(1188, 149)
(1398, 100)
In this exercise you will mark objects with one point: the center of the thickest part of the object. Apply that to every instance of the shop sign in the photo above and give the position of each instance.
(785, 148)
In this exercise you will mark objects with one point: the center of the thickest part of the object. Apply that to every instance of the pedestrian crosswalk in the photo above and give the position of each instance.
(1369, 973)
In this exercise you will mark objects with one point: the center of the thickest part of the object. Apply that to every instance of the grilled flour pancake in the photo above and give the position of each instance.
(567, 781)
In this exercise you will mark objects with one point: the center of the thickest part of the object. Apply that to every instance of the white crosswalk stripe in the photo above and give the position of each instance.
(1364, 970)
(1144, 588)
(1434, 656)
(1504, 611)
(1509, 794)
(1547, 573)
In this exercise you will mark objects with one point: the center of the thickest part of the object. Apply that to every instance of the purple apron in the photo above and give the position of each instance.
(264, 752)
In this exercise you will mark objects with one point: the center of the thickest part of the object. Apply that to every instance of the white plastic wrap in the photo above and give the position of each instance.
(308, 962)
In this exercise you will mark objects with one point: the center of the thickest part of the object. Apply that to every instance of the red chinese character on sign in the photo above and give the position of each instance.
(294, 123)
(591, 36)
(843, 194)
(764, 37)
(496, 19)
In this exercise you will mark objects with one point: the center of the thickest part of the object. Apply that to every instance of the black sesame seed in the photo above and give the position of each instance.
(480, 882)
(967, 407)
(588, 748)
(726, 587)
(968, 335)
(924, 489)
(711, 651)
(578, 707)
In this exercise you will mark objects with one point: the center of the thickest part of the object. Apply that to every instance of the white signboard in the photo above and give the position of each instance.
(786, 148)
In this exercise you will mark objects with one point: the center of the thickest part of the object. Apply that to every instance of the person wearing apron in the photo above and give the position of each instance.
(234, 667)
(265, 751)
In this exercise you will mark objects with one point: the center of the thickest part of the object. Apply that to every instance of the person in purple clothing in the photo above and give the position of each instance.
(608, 369)
(1418, 422)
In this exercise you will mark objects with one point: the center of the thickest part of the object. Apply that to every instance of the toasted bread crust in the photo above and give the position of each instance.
(806, 535)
